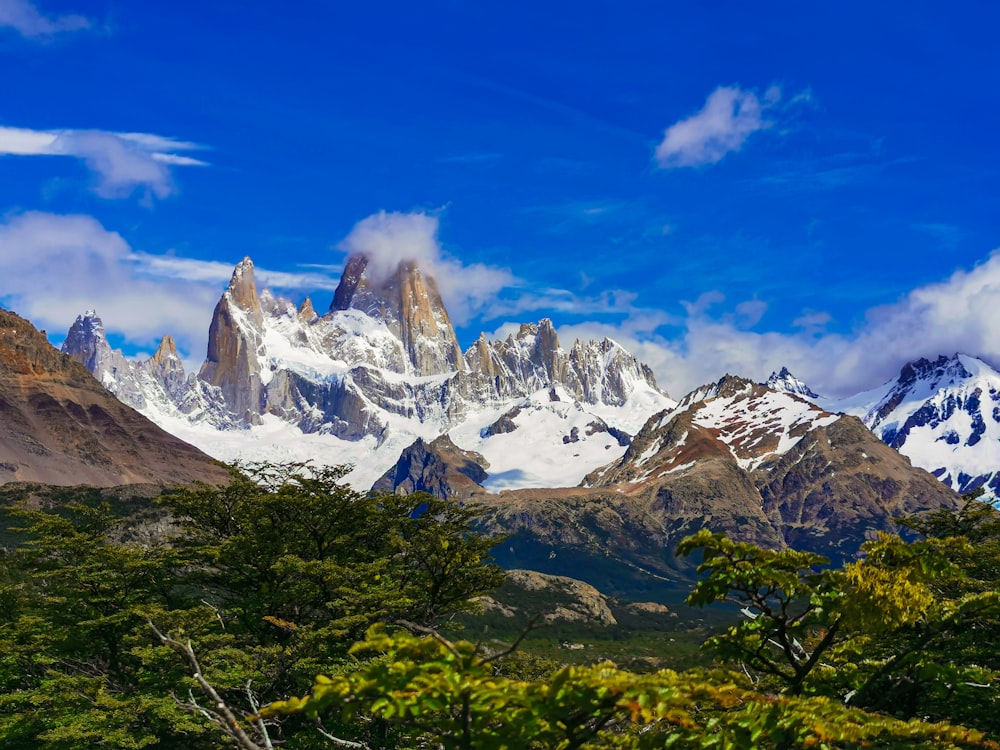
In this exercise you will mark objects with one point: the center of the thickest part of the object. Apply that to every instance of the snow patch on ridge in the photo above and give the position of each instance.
(748, 424)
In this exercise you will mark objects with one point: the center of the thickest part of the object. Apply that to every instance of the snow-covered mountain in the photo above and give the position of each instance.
(380, 369)
(943, 414)
(783, 380)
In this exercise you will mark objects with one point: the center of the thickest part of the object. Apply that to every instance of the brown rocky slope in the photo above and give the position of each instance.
(59, 426)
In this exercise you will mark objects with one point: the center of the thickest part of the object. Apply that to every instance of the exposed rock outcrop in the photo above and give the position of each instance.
(529, 593)
(783, 380)
(409, 304)
(438, 467)
(235, 340)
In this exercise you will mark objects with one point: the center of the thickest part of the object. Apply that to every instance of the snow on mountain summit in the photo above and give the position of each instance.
(784, 381)
(943, 414)
(380, 369)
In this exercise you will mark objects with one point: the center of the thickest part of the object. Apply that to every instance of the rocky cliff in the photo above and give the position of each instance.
(235, 345)
(409, 304)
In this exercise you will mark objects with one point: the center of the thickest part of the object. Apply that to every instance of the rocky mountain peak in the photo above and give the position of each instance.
(933, 372)
(306, 312)
(235, 337)
(944, 414)
(784, 381)
(86, 341)
(166, 350)
(727, 386)
(409, 304)
(242, 290)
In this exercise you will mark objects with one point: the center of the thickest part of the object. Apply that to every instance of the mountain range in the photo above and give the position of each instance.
(379, 370)
(382, 369)
(576, 453)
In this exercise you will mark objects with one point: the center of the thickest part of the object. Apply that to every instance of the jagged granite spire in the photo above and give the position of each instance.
(592, 372)
(410, 305)
(87, 343)
(234, 340)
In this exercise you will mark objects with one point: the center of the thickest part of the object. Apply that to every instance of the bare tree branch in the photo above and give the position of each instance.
(338, 741)
(224, 717)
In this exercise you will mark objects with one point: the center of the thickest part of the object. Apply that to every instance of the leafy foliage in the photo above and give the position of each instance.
(448, 695)
(909, 629)
(272, 576)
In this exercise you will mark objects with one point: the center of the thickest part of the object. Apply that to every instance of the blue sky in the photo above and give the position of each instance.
(719, 188)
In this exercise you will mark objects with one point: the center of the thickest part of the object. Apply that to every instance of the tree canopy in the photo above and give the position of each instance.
(287, 610)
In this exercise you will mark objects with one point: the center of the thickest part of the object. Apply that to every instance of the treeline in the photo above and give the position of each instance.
(287, 583)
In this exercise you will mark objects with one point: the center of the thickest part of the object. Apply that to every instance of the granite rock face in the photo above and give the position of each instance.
(235, 345)
(409, 304)
(439, 468)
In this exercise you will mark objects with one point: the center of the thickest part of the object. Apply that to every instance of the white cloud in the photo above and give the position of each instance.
(954, 315)
(26, 19)
(390, 238)
(120, 162)
(216, 272)
(730, 116)
(54, 267)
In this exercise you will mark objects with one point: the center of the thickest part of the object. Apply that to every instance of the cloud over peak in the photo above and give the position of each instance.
(730, 116)
(120, 162)
(390, 238)
(27, 20)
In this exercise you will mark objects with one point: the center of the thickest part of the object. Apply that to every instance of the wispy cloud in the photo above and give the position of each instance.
(219, 273)
(730, 116)
(27, 20)
(56, 266)
(121, 162)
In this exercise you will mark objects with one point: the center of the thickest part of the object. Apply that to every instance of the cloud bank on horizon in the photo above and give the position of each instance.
(63, 265)
(944, 317)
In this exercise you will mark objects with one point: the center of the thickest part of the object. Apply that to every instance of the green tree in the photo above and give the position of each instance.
(72, 600)
(908, 629)
(271, 577)
(449, 695)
